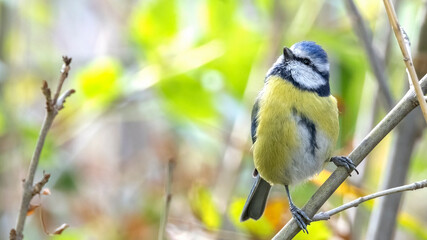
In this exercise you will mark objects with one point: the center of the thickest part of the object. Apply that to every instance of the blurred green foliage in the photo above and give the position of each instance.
(153, 24)
(204, 207)
(99, 81)
(261, 228)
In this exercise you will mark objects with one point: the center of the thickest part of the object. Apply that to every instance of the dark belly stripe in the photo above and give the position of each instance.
(311, 127)
(312, 130)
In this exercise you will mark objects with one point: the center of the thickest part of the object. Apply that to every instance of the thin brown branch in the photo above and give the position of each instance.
(164, 219)
(404, 44)
(413, 186)
(405, 106)
(29, 190)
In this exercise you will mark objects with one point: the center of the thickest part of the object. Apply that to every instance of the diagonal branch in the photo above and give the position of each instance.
(413, 186)
(405, 106)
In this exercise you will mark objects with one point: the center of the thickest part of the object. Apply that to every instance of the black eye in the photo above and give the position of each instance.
(306, 61)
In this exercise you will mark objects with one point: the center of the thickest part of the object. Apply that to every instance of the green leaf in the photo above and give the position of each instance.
(72, 234)
(220, 17)
(262, 228)
(318, 231)
(153, 23)
(67, 181)
(412, 225)
(99, 81)
(237, 62)
(204, 207)
(186, 97)
(2, 123)
(38, 12)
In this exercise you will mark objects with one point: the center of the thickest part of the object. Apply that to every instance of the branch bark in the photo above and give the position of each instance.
(405, 106)
(404, 45)
(52, 108)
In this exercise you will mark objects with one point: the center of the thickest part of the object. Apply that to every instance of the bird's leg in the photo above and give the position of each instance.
(299, 215)
(347, 163)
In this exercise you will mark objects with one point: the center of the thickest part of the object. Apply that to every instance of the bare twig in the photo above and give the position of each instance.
(405, 105)
(48, 95)
(12, 234)
(326, 215)
(52, 108)
(377, 63)
(61, 100)
(39, 186)
(64, 74)
(404, 44)
(164, 219)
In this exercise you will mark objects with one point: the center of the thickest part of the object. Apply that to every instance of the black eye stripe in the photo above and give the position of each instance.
(306, 61)
(310, 64)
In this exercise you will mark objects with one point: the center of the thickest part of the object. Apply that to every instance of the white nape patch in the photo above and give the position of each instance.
(321, 66)
(305, 76)
(304, 163)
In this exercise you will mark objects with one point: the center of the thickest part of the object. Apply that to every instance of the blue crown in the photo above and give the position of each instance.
(311, 49)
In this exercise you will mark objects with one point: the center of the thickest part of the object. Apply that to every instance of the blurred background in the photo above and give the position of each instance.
(157, 80)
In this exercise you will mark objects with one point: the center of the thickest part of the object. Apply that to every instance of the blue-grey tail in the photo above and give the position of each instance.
(255, 204)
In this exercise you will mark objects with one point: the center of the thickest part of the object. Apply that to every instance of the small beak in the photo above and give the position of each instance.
(287, 54)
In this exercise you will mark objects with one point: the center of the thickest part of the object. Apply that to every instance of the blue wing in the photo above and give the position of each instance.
(254, 119)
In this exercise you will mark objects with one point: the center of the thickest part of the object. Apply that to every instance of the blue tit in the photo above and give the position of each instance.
(294, 127)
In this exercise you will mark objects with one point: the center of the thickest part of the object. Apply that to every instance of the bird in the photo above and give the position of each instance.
(294, 127)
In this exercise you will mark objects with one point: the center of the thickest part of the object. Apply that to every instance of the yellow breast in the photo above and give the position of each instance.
(278, 140)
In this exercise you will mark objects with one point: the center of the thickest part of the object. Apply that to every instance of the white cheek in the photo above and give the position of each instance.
(305, 76)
